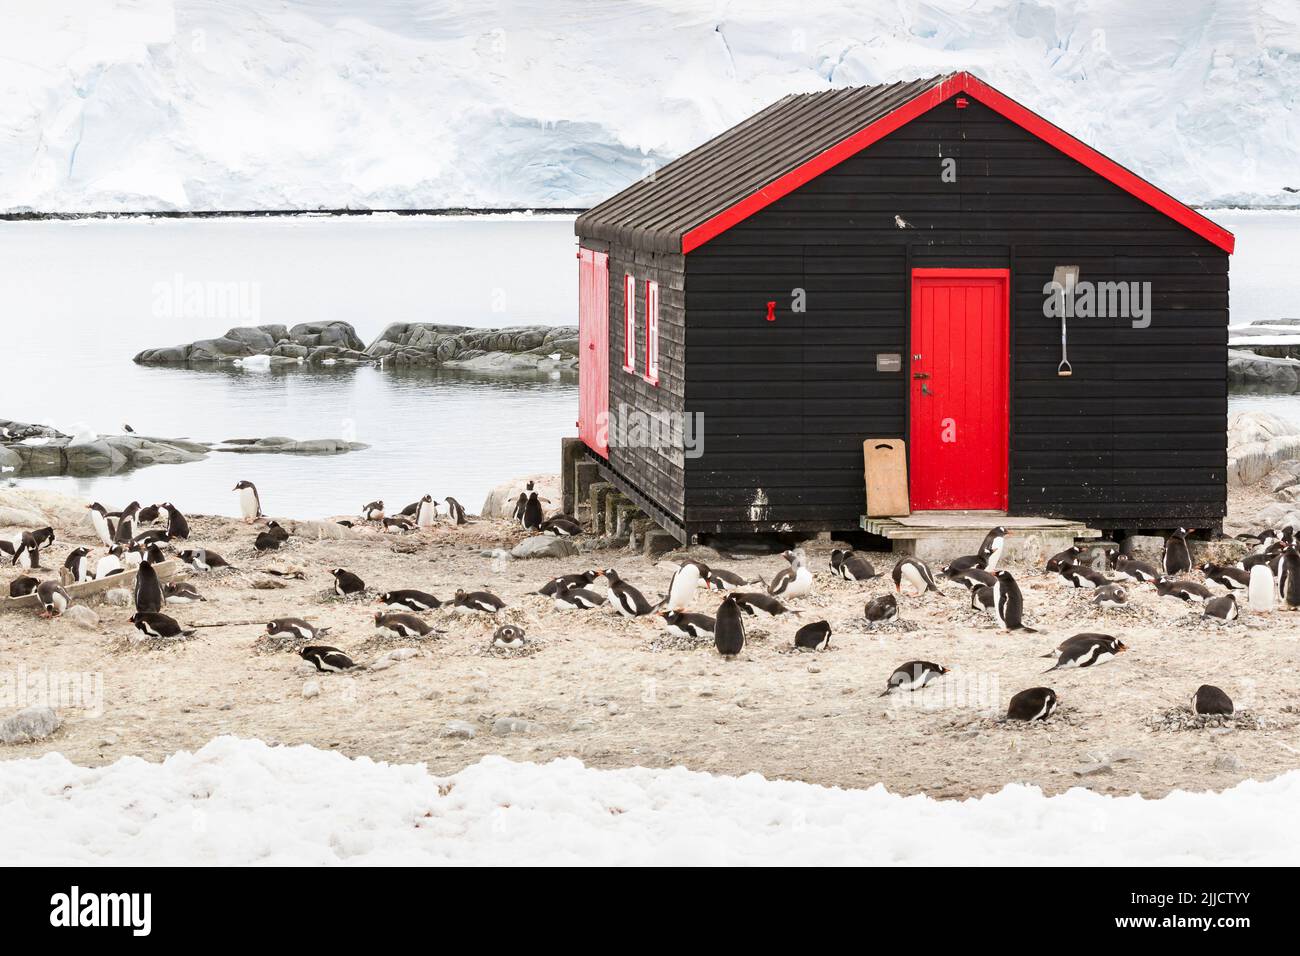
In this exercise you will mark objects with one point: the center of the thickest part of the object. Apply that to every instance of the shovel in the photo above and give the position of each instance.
(1065, 278)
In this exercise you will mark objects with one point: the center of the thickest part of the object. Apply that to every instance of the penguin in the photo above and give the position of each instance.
(1131, 569)
(1070, 555)
(410, 600)
(981, 598)
(426, 512)
(1234, 579)
(1036, 703)
(720, 579)
(152, 536)
(203, 559)
(78, 563)
(912, 676)
(327, 659)
(157, 624)
(22, 586)
(1077, 576)
(681, 589)
(532, 517)
(959, 566)
(1288, 578)
(178, 526)
(456, 511)
(374, 511)
(99, 521)
(1209, 699)
(562, 526)
(110, 563)
(974, 578)
(729, 628)
(43, 537)
(294, 627)
(754, 603)
(27, 554)
(125, 529)
(1177, 558)
(991, 548)
(814, 637)
(881, 610)
(250, 503)
(1266, 557)
(686, 624)
(795, 581)
(266, 541)
(397, 525)
(521, 503)
(1182, 589)
(1261, 592)
(565, 581)
(1110, 596)
(149, 514)
(854, 567)
(403, 625)
(345, 583)
(916, 574)
(577, 599)
(509, 637)
(148, 590)
(484, 601)
(1008, 603)
(54, 600)
(1085, 650)
(1223, 608)
(181, 592)
(277, 531)
(629, 601)
(154, 554)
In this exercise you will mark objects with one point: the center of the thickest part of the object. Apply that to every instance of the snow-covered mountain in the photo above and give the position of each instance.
(248, 104)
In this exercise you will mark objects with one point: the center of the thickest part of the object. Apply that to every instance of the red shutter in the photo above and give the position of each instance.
(652, 332)
(593, 350)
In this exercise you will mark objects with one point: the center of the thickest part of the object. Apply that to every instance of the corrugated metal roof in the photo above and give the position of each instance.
(656, 213)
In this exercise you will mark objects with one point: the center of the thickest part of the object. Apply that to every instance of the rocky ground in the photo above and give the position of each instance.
(618, 692)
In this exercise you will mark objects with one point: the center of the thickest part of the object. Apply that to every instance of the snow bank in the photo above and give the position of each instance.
(238, 104)
(240, 801)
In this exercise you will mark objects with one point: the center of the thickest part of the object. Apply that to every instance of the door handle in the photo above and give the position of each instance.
(925, 390)
(920, 375)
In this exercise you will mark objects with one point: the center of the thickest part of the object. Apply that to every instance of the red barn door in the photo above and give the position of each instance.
(959, 385)
(593, 349)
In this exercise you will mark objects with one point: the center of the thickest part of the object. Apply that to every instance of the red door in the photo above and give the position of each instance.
(959, 361)
(593, 350)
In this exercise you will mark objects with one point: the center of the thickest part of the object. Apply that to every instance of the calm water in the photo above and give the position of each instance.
(79, 299)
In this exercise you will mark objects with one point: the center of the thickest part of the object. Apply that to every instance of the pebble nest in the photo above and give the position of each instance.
(1182, 718)
(141, 642)
(285, 643)
(531, 646)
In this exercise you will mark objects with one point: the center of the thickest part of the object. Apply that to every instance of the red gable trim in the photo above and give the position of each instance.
(963, 83)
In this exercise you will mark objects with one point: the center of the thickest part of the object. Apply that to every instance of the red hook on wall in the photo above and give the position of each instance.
(771, 312)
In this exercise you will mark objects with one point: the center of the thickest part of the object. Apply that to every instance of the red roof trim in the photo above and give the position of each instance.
(963, 83)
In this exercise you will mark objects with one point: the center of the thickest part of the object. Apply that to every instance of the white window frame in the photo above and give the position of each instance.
(652, 332)
(629, 323)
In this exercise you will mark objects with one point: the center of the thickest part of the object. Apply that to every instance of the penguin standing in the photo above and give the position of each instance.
(109, 564)
(794, 581)
(99, 521)
(250, 503)
(426, 512)
(532, 517)
(1008, 603)
(178, 525)
(1288, 578)
(373, 511)
(78, 564)
(148, 590)
(456, 511)
(1260, 591)
(991, 548)
(682, 588)
(629, 601)
(520, 504)
(915, 573)
(54, 600)
(729, 628)
(1036, 703)
(1177, 558)
(125, 530)
(813, 637)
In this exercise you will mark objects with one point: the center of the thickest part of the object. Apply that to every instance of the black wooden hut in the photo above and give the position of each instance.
(879, 262)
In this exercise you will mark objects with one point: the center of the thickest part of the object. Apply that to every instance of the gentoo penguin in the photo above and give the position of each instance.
(250, 503)
(277, 531)
(345, 582)
(181, 592)
(149, 514)
(1177, 558)
(1267, 556)
(374, 511)
(1008, 603)
(913, 675)
(397, 524)
(881, 610)
(520, 504)
(795, 581)
(265, 541)
(1110, 596)
(99, 521)
(851, 566)
(1036, 703)
(959, 566)
(991, 548)
(577, 599)
(1288, 578)
(1085, 650)
(532, 517)
(148, 590)
(78, 564)
(178, 525)
(294, 627)
(125, 529)
(1261, 592)
(22, 586)
(915, 573)
(981, 598)
(43, 537)
(326, 658)
(509, 636)
(27, 554)
(1070, 555)
(629, 601)
(1223, 608)
(1131, 569)
(754, 603)
(973, 578)
(410, 600)
(204, 559)
(152, 536)
(403, 625)
(720, 579)
(154, 554)
(562, 526)
(1077, 576)
(456, 511)
(109, 564)
(484, 601)
(565, 581)
(681, 589)
(1182, 589)
(729, 628)
(686, 624)
(157, 624)
(814, 637)
(1234, 579)
(426, 512)
(54, 600)
(1209, 699)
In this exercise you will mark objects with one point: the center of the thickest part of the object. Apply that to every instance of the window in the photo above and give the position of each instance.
(652, 332)
(629, 323)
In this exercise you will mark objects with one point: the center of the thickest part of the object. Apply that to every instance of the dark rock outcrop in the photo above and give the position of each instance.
(305, 342)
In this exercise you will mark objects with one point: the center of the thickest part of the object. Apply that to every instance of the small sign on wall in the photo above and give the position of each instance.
(889, 362)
